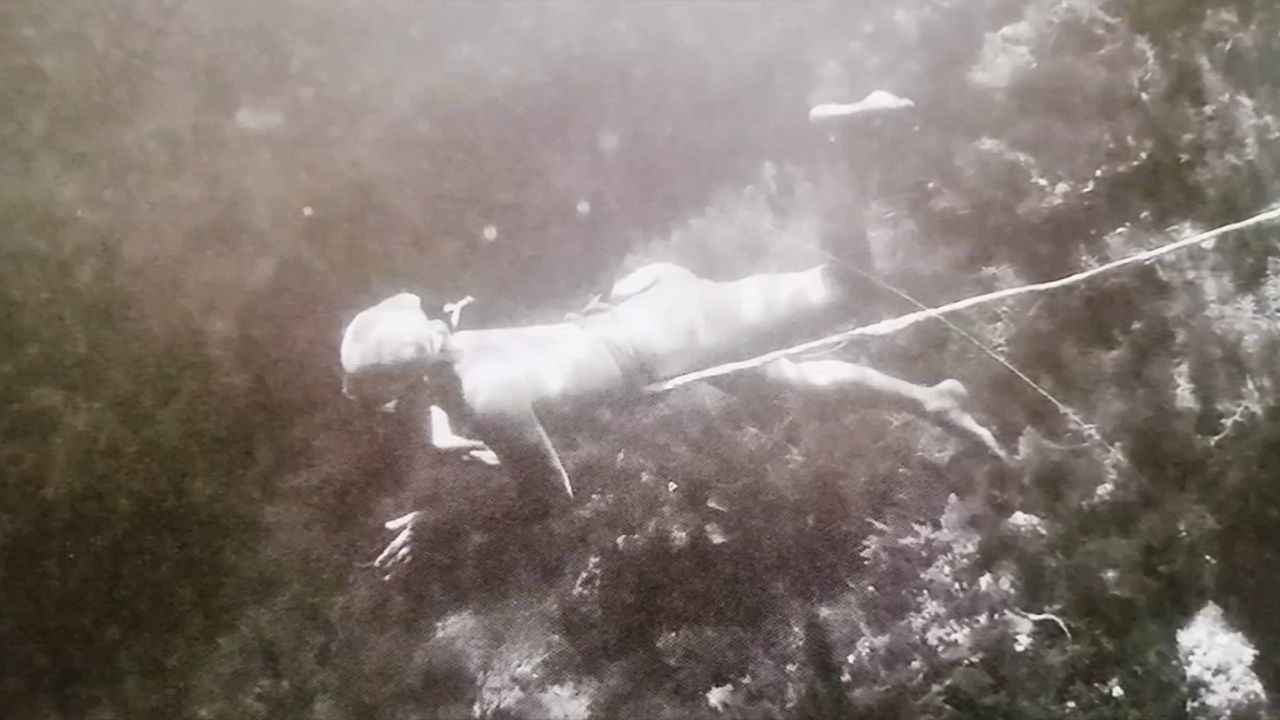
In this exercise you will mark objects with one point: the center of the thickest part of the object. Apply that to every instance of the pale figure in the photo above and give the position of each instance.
(658, 322)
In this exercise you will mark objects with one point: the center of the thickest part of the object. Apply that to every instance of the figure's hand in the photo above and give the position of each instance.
(398, 550)
(444, 439)
(454, 310)
(484, 455)
(471, 450)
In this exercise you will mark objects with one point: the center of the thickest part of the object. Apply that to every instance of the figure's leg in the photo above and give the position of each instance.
(837, 380)
(848, 159)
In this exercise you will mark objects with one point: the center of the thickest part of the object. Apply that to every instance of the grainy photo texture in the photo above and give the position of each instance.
(815, 360)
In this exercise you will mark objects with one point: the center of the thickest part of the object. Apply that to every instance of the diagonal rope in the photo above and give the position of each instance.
(892, 325)
(986, 350)
(1089, 431)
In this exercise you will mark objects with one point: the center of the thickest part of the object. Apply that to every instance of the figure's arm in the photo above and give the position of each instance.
(525, 450)
(443, 438)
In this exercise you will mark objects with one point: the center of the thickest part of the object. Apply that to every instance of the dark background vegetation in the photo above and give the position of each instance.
(197, 196)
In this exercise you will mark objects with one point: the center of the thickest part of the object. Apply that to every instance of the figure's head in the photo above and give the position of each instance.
(388, 347)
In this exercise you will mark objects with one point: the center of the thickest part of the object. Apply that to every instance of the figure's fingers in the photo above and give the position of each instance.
(402, 521)
(400, 543)
(486, 456)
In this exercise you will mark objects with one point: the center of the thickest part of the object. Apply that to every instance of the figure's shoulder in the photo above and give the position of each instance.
(476, 362)
(468, 347)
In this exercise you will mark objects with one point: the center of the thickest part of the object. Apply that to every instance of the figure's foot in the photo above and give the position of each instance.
(875, 104)
(945, 405)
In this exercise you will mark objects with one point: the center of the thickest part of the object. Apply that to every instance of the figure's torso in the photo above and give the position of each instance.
(672, 327)
(504, 369)
(686, 324)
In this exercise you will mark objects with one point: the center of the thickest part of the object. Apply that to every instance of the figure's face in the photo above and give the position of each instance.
(380, 389)
(387, 348)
